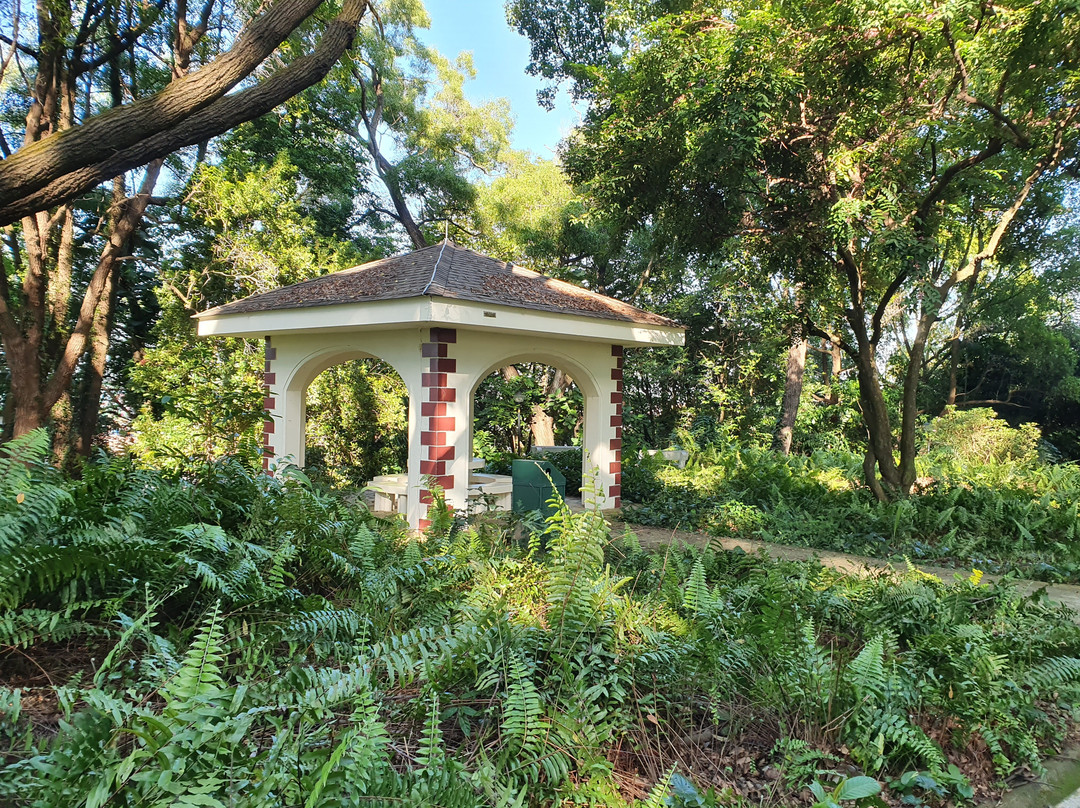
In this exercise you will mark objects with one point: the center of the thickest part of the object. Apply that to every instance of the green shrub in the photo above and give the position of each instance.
(569, 462)
(997, 516)
(977, 437)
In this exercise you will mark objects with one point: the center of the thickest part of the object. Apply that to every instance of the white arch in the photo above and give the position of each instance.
(299, 363)
(308, 369)
(582, 376)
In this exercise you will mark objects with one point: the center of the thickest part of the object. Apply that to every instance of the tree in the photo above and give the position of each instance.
(115, 86)
(247, 227)
(403, 105)
(881, 157)
(1014, 347)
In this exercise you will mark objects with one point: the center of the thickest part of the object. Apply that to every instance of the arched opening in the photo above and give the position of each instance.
(356, 423)
(530, 409)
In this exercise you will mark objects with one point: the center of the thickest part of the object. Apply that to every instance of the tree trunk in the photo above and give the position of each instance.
(954, 362)
(89, 410)
(62, 418)
(955, 344)
(541, 424)
(875, 413)
(834, 375)
(27, 401)
(909, 412)
(386, 170)
(793, 384)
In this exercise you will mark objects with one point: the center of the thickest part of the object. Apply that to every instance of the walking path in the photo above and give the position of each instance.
(654, 536)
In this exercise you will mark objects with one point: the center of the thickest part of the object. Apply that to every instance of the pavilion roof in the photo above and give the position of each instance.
(449, 271)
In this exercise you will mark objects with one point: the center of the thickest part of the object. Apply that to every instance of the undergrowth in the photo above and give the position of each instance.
(235, 640)
(997, 517)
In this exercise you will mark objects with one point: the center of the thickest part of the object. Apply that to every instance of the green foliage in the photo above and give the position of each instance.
(976, 437)
(823, 147)
(569, 463)
(854, 789)
(357, 416)
(255, 631)
(983, 501)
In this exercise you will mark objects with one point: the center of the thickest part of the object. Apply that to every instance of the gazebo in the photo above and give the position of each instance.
(444, 318)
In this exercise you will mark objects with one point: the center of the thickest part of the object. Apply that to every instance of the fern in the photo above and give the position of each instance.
(866, 672)
(879, 727)
(1052, 674)
(523, 728)
(576, 546)
(362, 548)
(361, 748)
(199, 676)
(697, 598)
(660, 794)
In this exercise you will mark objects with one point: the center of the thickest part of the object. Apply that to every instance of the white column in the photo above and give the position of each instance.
(602, 434)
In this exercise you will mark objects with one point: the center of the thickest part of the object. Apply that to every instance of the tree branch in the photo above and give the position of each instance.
(121, 44)
(1048, 161)
(40, 164)
(814, 331)
(922, 213)
(220, 116)
(19, 46)
(125, 225)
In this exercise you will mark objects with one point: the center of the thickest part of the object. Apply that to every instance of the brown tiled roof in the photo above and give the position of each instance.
(444, 270)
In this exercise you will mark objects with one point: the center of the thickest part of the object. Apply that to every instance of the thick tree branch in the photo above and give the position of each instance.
(39, 165)
(19, 47)
(879, 313)
(220, 116)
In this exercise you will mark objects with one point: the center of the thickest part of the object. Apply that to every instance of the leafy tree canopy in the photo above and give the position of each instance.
(878, 154)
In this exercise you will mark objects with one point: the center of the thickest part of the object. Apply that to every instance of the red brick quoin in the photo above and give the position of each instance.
(615, 467)
(268, 404)
(436, 427)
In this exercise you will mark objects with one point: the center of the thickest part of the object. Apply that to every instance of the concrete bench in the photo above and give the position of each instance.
(498, 486)
(391, 493)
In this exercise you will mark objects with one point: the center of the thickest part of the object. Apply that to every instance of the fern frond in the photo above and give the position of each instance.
(523, 727)
(1052, 674)
(660, 794)
(199, 675)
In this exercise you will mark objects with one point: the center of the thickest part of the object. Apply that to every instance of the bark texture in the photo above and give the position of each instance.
(57, 180)
(795, 367)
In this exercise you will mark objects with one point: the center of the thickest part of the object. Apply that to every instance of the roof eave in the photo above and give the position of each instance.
(419, 311)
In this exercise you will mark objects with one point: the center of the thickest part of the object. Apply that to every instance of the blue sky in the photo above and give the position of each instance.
(500, 55)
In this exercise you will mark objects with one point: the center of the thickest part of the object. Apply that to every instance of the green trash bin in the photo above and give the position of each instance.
(532, 486)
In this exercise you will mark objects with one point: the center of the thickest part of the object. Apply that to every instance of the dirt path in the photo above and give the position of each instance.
(652, 537)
